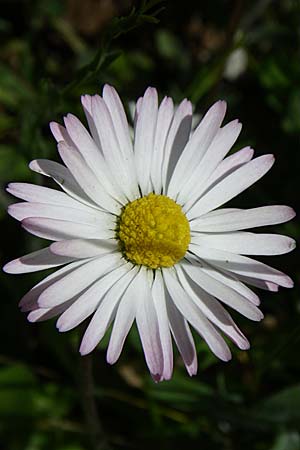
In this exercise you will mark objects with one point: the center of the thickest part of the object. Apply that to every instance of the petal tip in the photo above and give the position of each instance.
(83, 350)
(9, 187)
(9, 267)
(292, 213)
(221, 105)
(42, 300)
(156, 377)
(289, 283)
(244, 344)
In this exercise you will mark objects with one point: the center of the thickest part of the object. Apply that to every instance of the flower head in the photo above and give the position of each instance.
(141, 234)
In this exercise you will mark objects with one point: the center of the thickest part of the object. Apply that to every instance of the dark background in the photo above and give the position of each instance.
(246, 52)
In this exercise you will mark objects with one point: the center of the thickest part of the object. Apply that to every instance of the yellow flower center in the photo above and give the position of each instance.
(153, 231)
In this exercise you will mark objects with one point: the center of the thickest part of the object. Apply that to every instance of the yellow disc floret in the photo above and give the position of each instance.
(153, 231)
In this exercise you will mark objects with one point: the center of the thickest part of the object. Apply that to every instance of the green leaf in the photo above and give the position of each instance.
(104, 56)
(287, 441)
(13, 165)
(283, 407)
(16, 391)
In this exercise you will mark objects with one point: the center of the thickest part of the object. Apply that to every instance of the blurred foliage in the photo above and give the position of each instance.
(244, 51)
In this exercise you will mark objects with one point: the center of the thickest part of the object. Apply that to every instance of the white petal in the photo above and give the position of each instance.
(216, 212)
(40, 194)
(57, 230)
(84, 248)
(246, 243)
(164, 120)
(159, 300)
(228, 165)
(78, 280)
(106, 312)
(242, 265)
(144, 138)
(221, 291)
(81, 139)
(115, 107)
(261, 284)
(42, 314)
(242, 219)
(23, 210)
(60, 133)
(177, 139)
(136, 111)
(123, 321)
(29, 300)
(88, 302)
(232, 185)
(196, 147)
(86, 101)
(213, 310)
(147, 324)
(115, 159)
(86, 178)
(188, 309)
(182, 336)
(195, 184)
(63, 177)
(35, 261)
(232, 281)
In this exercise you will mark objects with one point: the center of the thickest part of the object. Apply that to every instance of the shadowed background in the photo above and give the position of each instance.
(246, 52)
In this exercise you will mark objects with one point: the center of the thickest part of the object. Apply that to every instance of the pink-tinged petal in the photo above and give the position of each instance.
(246, 243)
(58, 230)
(40, 194)
(164, 120)
(86, 101)
(29, 300)
(84, 248)
(105, 312)
(219, 147)
(182, 336)
(123, 321)
(63, 177)
(115, 107)
(78, 280)
(213, 310)
(221, 291)
(89, 301)
(91, 153)
(177, 139)
(159, 301)
(195, 317)
(232, 185)
(261, 284)
(116, 110)
(114, 158)
(23, 210)
(136, 111)
(144, 138)
(147, 324)
(87, 179)
(60, 133)
(196, 147)
(242, 219)
(119, 120)
(227, 166)
(35, 261)
(232, 281)
(242, 265)
(42, 314)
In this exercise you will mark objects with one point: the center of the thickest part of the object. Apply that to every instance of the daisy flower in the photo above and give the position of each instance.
(140, 232)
